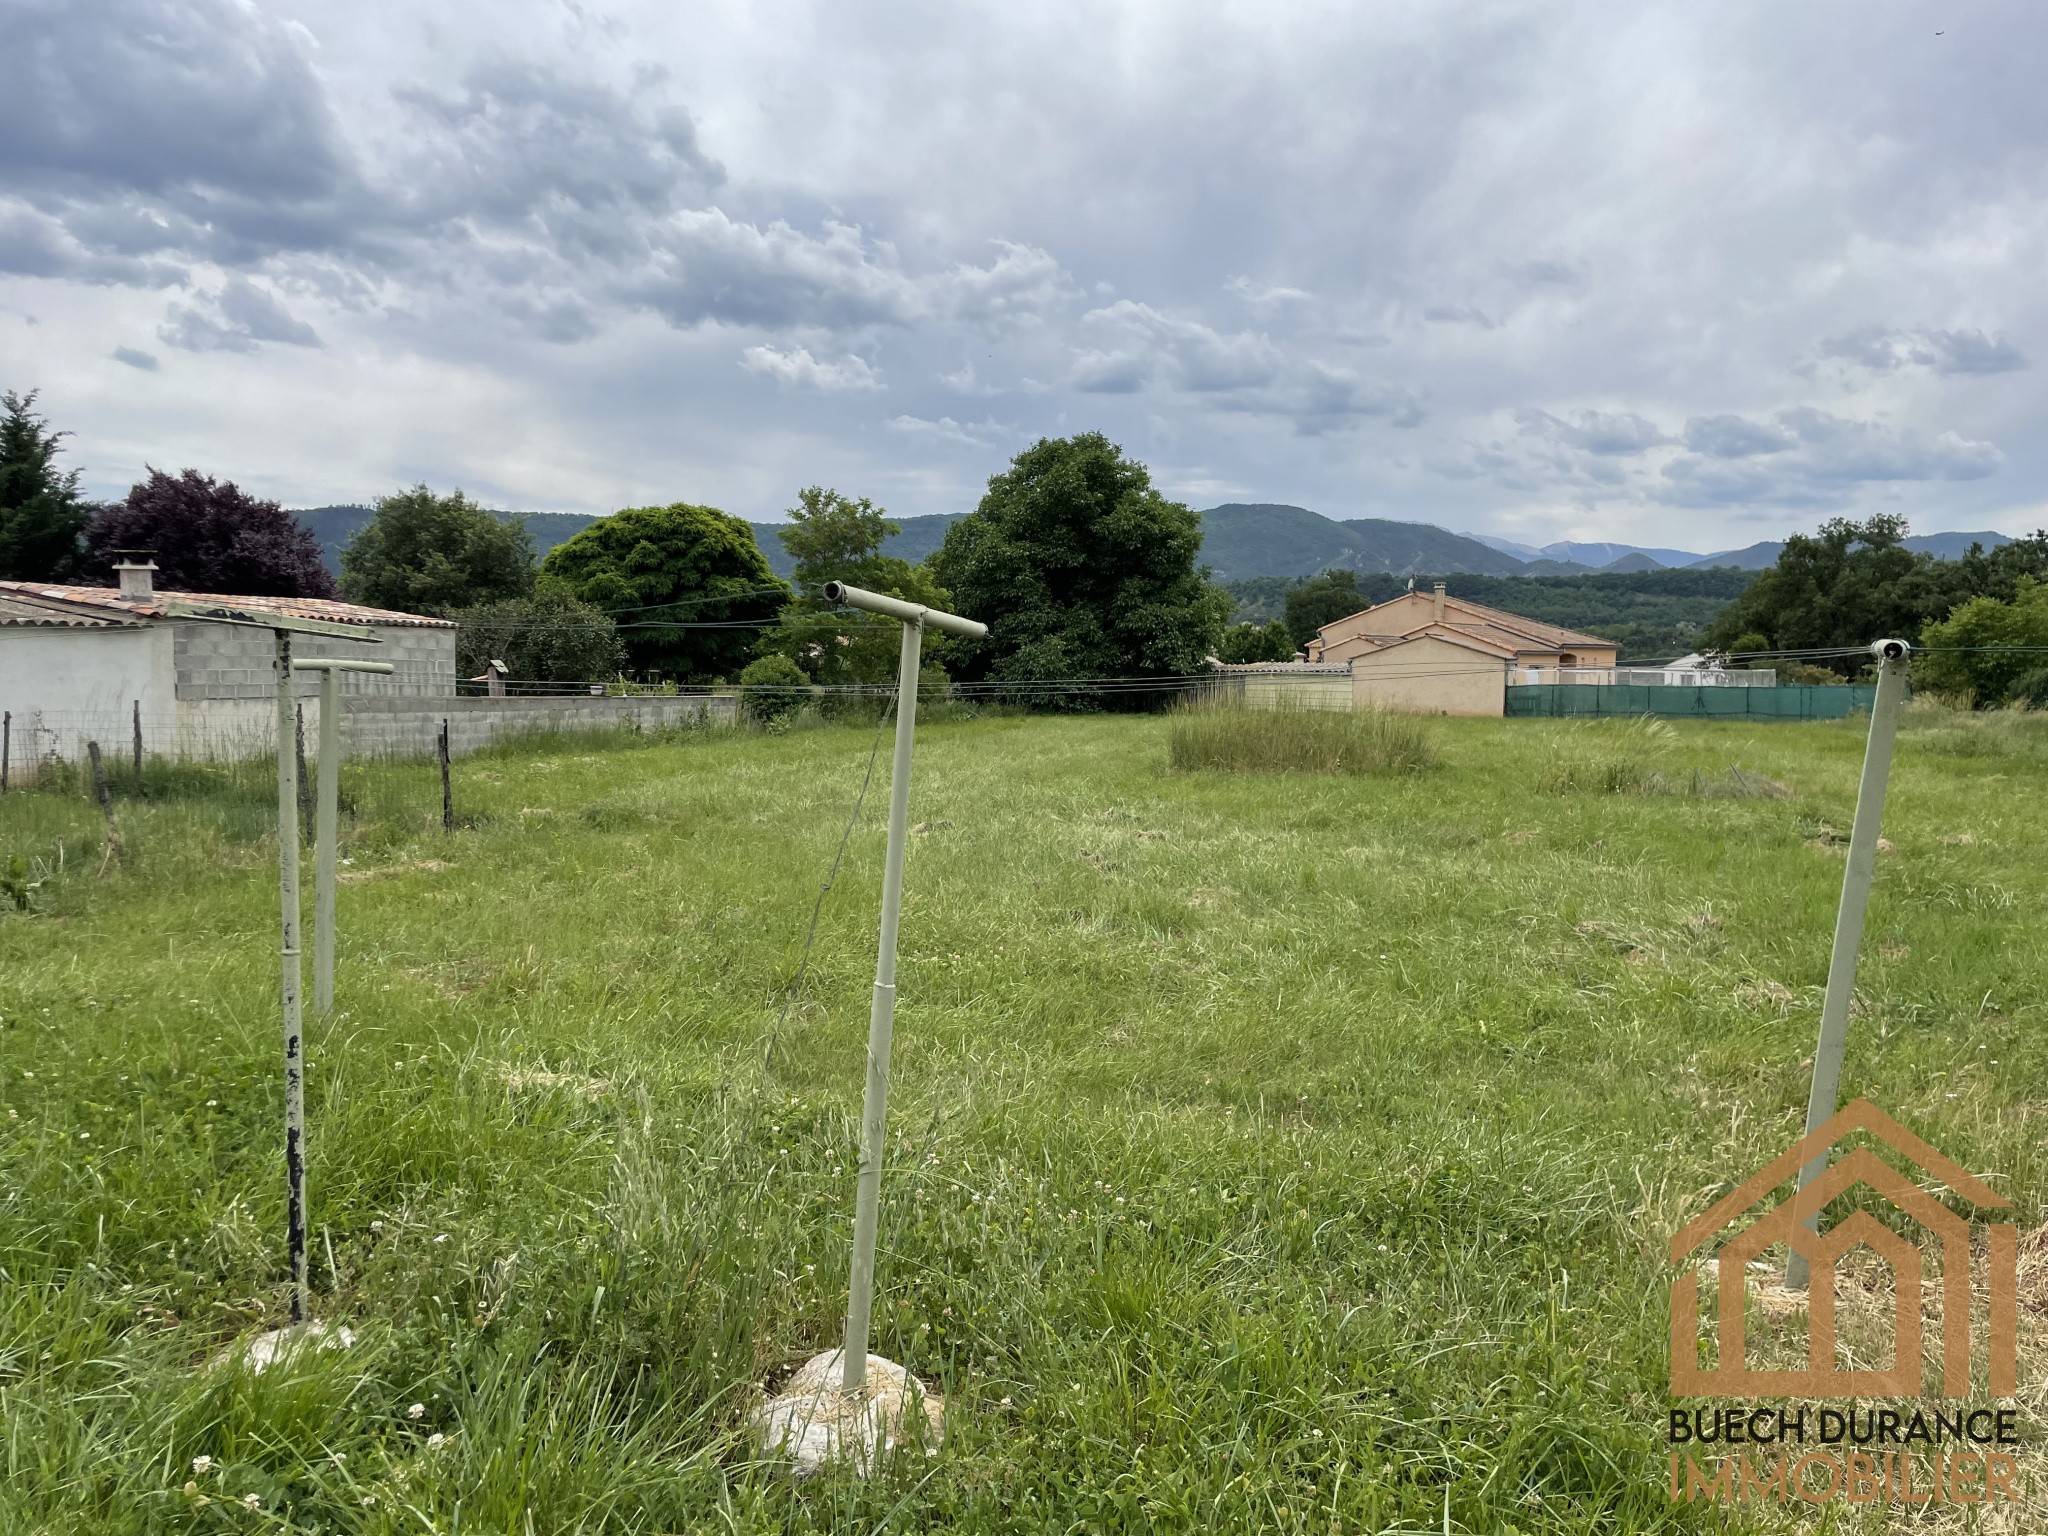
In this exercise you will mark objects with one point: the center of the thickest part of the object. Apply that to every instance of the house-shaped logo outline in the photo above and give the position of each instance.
(1791, 1223)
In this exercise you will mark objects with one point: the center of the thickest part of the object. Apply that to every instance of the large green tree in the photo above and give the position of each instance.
(1080, 568)
(42, 516)
(687, 585)
(548, 637)
(422, 553)
(1321, 600)
(833, 537)
(1855, 582)
(1990, 651)
(1244, 643)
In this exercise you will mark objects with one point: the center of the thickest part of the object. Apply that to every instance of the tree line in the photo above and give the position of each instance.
(1080, 566)
(1078, 563)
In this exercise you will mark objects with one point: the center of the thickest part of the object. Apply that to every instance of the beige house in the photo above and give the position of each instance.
(1437, 654)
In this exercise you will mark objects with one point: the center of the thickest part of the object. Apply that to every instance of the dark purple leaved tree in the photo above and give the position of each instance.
(208, 536)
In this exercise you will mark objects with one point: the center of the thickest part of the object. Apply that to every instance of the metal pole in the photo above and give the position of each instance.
(323, 841)
(860, 1292)
(288, 987)
(447, 791)
(1856, 882)
(6, 746)
(138, 745)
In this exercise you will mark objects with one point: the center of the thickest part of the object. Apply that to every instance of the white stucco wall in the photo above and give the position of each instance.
(64, 687)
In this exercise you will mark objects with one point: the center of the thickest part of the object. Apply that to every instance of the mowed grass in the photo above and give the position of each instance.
(1277, 1152)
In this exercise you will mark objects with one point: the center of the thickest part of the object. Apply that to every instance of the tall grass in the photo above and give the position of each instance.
(1261, 1159)
(1231, 737)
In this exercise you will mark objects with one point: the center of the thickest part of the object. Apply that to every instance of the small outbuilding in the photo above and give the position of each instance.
(106, 663)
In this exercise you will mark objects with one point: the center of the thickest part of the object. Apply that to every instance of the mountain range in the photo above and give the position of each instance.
(1241, 540)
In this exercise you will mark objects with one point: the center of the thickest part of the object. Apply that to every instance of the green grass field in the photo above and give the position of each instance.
(1271, 1152)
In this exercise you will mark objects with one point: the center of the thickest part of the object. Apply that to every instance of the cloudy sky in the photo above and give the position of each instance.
(1683, 275)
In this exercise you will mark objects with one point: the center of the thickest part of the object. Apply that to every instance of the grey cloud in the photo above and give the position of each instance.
(162, 97)
(1945, 352)
(1458, 314)
(1828, 460)
(32, 244)
(1109, 373)
(135, 358)
(1597, 432)
(1735, 437)
(239, 318)
(1541, 272)
(1838, 448)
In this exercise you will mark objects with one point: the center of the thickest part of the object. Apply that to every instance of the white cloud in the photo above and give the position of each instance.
(979, 434)
(797, 369)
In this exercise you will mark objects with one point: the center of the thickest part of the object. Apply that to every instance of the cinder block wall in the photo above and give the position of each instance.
(400, 727)
(235, 661)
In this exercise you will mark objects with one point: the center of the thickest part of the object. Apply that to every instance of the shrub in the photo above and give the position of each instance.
(1244, 643)
(1233, 738)
(774, 686)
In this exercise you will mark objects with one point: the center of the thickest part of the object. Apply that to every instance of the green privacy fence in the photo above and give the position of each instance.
(1786, 703)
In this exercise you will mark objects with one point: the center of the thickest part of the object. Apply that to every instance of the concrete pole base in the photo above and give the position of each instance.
(268, 1349)
(815, 1423)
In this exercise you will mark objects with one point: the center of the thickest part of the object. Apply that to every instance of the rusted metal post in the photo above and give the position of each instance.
(288, 986)
(305, 779)
(447, 789)
(6, 746)
(138, 745)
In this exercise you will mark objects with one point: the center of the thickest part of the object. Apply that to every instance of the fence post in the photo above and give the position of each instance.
(6, 746)
(138, 745)
(447, 791)
(105, 797)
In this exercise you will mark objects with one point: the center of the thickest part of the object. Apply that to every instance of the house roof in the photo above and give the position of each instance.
(104, 607)
(1463, 636)
(42, 613)
(1508, 632)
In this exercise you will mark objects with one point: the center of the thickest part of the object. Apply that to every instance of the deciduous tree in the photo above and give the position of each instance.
(209, 535)
(423, 553)
(1080, 568)
(686, 583)
(833, 537)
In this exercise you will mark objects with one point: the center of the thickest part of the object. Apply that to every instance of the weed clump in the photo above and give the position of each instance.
(1623, 757)
(1233, 738)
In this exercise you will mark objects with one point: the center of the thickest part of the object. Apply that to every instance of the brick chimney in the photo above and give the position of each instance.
(138, 579)
(1436, 607)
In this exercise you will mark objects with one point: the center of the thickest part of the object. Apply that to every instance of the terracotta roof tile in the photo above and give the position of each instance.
(109, 601)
